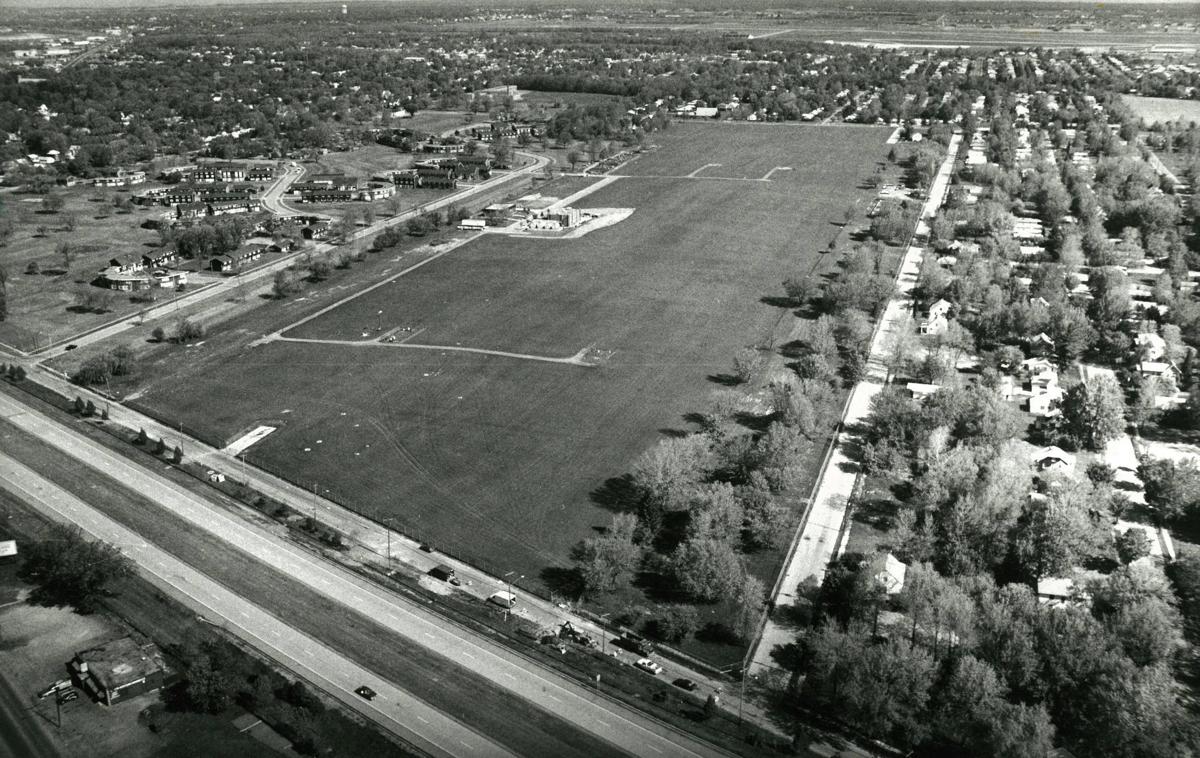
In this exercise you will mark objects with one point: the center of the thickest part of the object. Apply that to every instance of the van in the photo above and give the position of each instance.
(503, 599)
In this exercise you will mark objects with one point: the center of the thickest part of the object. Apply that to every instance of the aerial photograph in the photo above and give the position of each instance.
(599, 378)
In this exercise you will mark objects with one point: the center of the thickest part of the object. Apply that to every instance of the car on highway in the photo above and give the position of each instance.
(72, 346)
(685, 684)
(649, 666)
(365, 692)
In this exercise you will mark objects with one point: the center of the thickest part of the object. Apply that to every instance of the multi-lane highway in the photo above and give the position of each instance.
(393, 708)
(626, 730)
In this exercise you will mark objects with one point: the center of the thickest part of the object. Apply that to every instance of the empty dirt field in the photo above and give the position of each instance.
(493, 456)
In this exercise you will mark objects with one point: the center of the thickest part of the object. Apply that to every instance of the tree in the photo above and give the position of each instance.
(573, 157)
(750, 600)
(610, 560)
(715, 513)
(1172, 487)
(209, 687)
(1185, 579)
(52, 203)
(707, 569)
(1052, 534)
(418, 226)
(799, 289)
(1095, 411)
(285, 284)
(677, 623)
(665, 475)
(187, 330)
(881, 689)
(70, 569)
(177, 455)
(746, 363)
(1132, 544)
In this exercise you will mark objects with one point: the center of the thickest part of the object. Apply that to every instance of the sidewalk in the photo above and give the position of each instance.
(817, 541)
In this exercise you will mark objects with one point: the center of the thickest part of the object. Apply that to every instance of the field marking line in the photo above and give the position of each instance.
(767, 176)
(449, 248)
(571, 360)
(706, 165)
(412, 336)
(688, 176)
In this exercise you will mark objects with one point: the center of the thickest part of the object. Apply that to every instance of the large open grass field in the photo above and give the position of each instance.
(497, 458)
(1156, 110)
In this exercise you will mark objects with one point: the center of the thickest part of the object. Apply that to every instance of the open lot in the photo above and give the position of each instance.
(42, 306)
(501, 459)
(1155, 110)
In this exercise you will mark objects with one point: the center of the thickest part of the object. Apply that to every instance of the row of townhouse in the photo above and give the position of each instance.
(216, 208)
(195, 193)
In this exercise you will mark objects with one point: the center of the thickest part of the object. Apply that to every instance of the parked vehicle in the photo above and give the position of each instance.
(445, 573)
(685, 684)
(649, 666)
(503, 599)
(61, 684)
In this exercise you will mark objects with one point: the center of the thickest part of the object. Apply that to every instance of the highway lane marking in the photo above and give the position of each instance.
(422, 719)
(290, 557)
(602, 722)
(654, 748)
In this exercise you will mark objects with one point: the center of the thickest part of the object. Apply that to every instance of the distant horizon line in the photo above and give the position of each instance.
(170, 4)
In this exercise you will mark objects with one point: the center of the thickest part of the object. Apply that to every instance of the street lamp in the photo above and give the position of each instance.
(604, 633)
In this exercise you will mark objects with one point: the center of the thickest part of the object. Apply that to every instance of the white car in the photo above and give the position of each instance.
(649, 666)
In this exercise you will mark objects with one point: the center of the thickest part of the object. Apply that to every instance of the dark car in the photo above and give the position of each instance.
(685, 684)
(365, 692)
(71, 347)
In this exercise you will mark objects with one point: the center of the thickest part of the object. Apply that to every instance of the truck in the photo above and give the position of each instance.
(445, 573)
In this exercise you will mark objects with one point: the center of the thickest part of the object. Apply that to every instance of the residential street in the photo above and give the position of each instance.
(607, 720)
(817, 542)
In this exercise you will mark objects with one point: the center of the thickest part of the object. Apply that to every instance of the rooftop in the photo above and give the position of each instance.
(121, 662)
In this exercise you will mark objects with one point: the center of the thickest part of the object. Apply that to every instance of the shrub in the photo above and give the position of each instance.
(33, 268)
(159, 334)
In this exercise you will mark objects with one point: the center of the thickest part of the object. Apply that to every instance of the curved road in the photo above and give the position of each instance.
(625, 729)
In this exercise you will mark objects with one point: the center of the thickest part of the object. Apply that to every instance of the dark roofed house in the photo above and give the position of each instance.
(235, 206)
(120, 670)
(191, 210)
(315, 231)
(159, 258)
(260, 173)
(126, 264)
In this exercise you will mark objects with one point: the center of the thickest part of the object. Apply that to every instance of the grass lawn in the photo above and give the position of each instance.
(1156, 110)
(436, 122)
(502, 460)
(41, 306)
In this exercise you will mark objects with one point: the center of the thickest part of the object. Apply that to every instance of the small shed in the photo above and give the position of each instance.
(119, 670)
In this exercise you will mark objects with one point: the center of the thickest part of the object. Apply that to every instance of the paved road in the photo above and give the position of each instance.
(621, 727)
(272, 199)
(373, 536)
(817, 542)
(393, 709)
(230, 285)
(20, 735)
